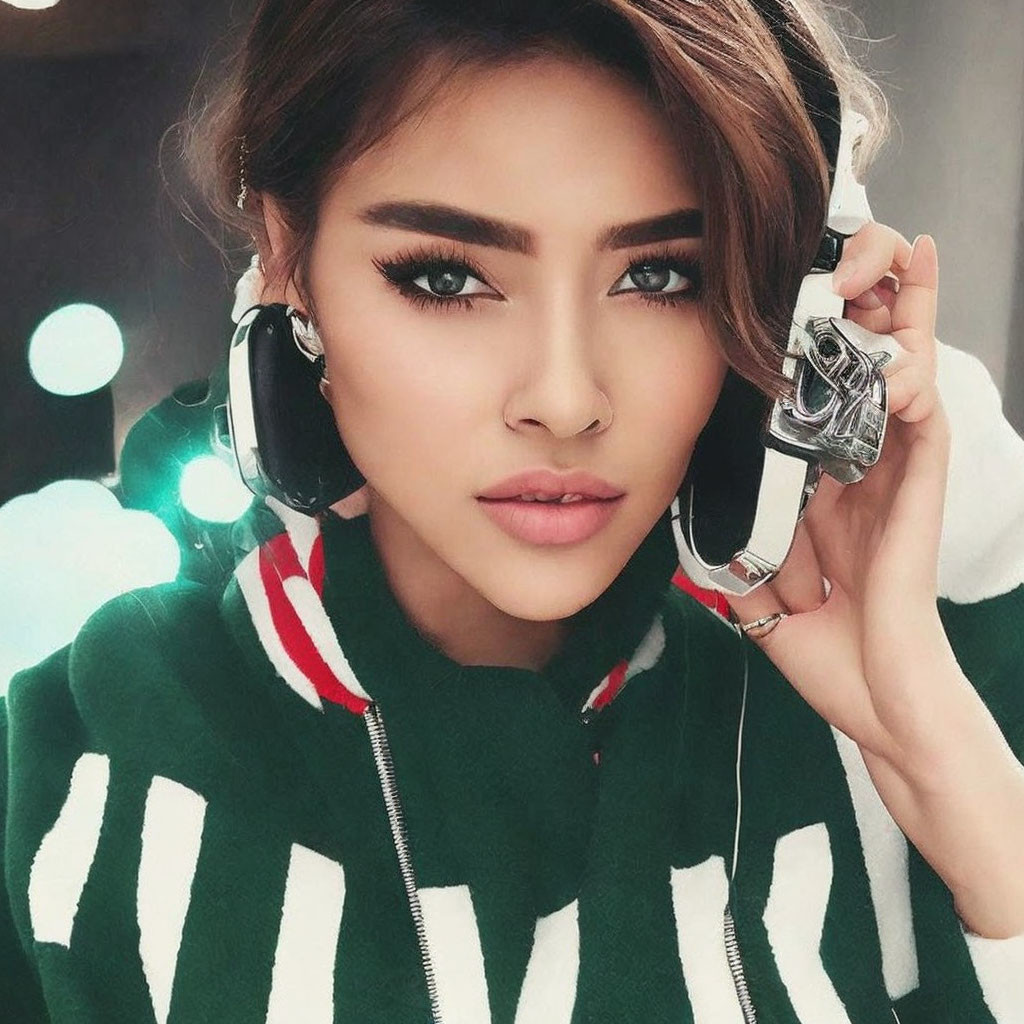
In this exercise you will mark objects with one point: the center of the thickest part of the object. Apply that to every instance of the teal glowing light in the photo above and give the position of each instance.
(75, 350)
(211, 490)
(66, 550)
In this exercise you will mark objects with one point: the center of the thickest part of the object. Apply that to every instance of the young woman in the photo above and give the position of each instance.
(441, 754)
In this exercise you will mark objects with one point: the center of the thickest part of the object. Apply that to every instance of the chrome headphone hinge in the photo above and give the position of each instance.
(838, 411)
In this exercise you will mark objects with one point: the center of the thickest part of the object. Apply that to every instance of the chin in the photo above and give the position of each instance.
(542, 611)
(544, 596)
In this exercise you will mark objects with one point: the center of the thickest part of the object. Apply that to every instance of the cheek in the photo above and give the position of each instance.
(398, 410)
(672, 394)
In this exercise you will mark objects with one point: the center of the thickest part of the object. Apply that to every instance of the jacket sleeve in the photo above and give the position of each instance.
(20, 991)
(963, 976)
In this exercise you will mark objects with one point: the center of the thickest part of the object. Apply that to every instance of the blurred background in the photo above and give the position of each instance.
(117, 308)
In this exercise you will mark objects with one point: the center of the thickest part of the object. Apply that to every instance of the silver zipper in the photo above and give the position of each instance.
(732, 954)
(732, 948)
(389, 788)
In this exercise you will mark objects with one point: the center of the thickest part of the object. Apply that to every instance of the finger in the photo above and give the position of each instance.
(882, 294)
(914, 311)
(867, 255)
(866, 300)
(799, 584)
(921, 406)
(878, 320)
(906, 386)
(887, 286)
(917, 511)
(821, 504)
(758, 603)
(872, 308)
(927, 462)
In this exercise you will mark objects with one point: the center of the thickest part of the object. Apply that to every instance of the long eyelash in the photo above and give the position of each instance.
(685, 264)
(407, 265)
(418, 297)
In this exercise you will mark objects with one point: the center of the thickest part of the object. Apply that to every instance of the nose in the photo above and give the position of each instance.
(560, 388)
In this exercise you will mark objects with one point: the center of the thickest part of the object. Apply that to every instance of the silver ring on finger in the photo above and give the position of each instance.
(762, 627)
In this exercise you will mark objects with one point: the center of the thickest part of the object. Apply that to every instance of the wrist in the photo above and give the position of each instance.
(931, 710)
(963, 810)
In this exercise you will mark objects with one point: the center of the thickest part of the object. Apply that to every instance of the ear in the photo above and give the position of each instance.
(273, 246)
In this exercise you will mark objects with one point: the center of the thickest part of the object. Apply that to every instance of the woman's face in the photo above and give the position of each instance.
(549, 328)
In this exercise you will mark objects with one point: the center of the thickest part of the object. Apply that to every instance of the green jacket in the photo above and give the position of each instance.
(281, 803)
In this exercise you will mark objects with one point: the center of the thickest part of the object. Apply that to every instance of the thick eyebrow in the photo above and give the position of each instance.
(474, 229)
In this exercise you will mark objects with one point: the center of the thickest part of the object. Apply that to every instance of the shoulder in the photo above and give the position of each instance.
(132, 646)
(146, 623)
(981, 554)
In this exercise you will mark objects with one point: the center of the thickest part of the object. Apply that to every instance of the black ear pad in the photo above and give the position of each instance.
(725, 472)
(300, 451)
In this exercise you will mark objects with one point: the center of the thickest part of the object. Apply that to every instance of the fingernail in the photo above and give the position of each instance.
(910, 259)
(843, 273)
(827, 585)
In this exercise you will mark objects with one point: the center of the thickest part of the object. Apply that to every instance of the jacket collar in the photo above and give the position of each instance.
(327, 620)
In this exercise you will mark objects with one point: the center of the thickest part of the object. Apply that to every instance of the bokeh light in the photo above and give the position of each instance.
(75, 349)
(66, 550)
(211, 490)
(32, 5)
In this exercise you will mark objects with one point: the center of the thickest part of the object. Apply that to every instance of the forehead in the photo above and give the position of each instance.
(554, 143)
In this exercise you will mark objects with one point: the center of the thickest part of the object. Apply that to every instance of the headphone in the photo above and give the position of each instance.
(755, 464)
(283, 433)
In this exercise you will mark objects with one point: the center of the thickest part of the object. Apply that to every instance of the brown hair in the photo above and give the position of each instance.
(316, 83)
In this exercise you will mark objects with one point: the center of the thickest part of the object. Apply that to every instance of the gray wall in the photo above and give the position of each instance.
(954, 75)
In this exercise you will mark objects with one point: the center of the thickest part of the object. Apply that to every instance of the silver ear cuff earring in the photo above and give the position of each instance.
(307, 341)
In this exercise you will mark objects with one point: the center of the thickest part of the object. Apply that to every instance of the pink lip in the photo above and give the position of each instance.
(576, 482)
(551, 523)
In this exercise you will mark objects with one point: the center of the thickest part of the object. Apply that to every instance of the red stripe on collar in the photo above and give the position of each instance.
(709, 598)
(612, 685)
(279, 562)
(298, 620)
